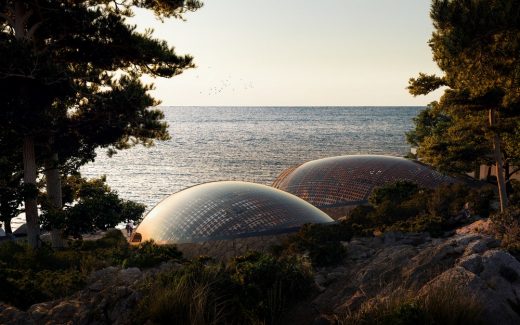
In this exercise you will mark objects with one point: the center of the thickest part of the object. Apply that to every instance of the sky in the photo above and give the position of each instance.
(297, 53)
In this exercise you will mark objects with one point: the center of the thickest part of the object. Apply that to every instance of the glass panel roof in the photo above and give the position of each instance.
(226, 210)
(349, 180)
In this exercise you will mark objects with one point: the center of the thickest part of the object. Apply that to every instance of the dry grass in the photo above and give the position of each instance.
(445, 305)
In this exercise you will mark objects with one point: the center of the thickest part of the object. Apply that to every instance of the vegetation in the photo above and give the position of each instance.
(456, 140)
(403, 206)
(29, 276)
(448, 305)
(506, 227)
(476, 44)
(70, 79)
(251, 289)
(320, 242)
(90, 205)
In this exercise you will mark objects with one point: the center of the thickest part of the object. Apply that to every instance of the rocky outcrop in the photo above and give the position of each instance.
(378, 267)
(373, 268)
(107, 299)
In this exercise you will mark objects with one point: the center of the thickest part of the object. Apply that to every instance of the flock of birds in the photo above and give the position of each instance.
(227, 85)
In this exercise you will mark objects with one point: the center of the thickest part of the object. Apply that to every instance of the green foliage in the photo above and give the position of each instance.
(148, 254)
(506, 226)
(91, 205)
(251, 289)
(320, 242)
(268, 283)
(30, 276)
(402, 206)
(70, 74)
(455, 137)
(476, 44)
(398, 191)
(425, 84)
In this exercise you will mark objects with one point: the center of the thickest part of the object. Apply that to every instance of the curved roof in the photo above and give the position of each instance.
(226, 210)
(349, 180)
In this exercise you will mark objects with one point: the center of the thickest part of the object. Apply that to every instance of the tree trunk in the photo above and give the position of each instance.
(31, 206)
(498, 162)
(7, 225)
(53, 178)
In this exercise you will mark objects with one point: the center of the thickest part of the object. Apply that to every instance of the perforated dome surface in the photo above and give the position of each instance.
(349, 180)
(226, 210)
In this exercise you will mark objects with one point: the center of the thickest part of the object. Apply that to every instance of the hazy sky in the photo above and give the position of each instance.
(329, 52)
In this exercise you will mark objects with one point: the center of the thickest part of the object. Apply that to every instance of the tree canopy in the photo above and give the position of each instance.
(476, 43)
(70, 70)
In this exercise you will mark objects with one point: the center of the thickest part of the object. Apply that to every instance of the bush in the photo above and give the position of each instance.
(321, 242)
(394, 192)
(506, 226)
(254, 288)
(194, 294)
(268, 284)
(30, 276)
(149, 254)
(89, 205)
(402, 206)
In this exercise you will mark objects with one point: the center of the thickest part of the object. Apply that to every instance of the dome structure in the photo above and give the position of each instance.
(349, 180)
(226, 210)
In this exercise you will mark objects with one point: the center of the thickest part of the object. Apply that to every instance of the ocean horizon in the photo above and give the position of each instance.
(247, 143)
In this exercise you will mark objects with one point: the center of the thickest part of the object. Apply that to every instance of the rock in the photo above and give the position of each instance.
(64, 312)
(495, 284)
(11, 315)
(472, 263)
(418, 262)
(324, 320)
(415, 239)
(356, 251)
(129, 275)
(390, 238)
(481, 245)
(375, 268)
(320, 279)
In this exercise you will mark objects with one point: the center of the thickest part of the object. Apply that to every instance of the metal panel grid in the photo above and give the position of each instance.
(349, 180)
(226, 210)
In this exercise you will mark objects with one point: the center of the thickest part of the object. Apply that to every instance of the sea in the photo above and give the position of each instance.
(252, 144)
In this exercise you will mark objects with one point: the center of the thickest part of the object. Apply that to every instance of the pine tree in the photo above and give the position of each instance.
(476, 43)
(71, 73)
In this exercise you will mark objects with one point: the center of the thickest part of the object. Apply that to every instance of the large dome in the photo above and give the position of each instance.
(349, 180)
(226, 210)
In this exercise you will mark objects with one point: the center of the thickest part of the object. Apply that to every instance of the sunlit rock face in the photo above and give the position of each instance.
(224, 211)
(349, 180)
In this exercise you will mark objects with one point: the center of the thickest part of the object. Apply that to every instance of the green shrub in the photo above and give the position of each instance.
(395, 192)
(402, 206)
(148, 254)
(89, 205)
(506, 226)
(267, 283)
(30, 276)
(251, 289)
(321, 242)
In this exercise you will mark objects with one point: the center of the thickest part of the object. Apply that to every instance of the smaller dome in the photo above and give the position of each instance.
(226, 210)
(349, 180)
